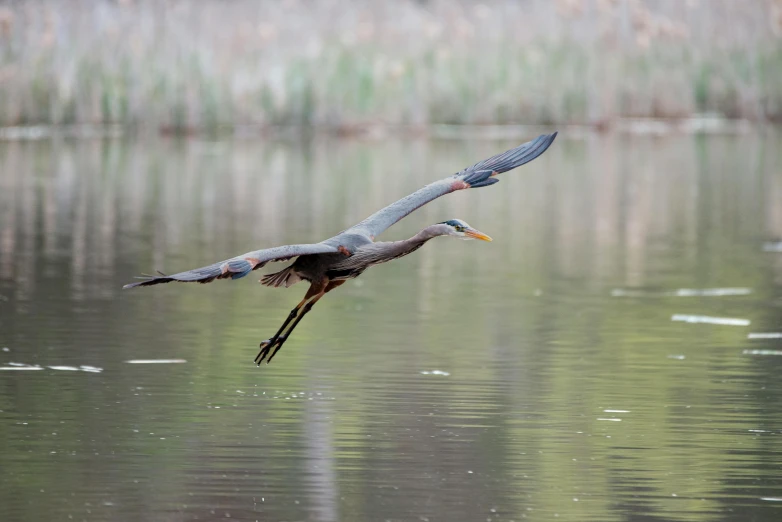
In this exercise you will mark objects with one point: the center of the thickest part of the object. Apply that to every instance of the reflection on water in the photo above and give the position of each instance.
(465, 382)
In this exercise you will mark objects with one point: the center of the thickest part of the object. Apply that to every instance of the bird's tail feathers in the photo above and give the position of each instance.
(285, 278)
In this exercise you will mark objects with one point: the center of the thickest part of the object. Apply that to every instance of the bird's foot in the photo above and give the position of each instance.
(279, 344)
(266, 349)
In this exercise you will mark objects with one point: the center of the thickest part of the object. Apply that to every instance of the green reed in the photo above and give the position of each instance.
(345, 65)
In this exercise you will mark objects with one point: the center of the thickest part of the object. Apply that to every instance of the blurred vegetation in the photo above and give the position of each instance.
(345, 65)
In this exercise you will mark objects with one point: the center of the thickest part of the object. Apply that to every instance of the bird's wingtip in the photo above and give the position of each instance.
(146, 280)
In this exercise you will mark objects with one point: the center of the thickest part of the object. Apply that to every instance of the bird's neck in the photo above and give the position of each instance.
(418, 240)
(428, 233)
(397, 249)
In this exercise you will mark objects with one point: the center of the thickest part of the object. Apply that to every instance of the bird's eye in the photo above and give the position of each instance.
(460, 229)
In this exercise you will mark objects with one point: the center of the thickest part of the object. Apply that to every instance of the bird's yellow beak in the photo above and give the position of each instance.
(471, 232)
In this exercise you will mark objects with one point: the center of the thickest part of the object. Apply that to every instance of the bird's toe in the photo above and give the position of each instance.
(265, 347)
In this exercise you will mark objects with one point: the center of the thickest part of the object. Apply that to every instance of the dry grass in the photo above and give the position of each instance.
(343, 64)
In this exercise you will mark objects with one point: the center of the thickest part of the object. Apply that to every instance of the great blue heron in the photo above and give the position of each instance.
(328, 264)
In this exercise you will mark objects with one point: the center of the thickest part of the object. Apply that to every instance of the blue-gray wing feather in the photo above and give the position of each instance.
(238, 266)
(479, 175)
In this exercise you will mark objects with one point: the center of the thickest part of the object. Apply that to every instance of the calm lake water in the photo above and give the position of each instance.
(536, 377)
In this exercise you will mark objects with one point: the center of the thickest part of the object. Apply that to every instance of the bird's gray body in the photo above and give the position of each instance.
(331, 262)
(358, 254)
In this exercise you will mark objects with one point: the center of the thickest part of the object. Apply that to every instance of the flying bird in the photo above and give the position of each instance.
(328, 264)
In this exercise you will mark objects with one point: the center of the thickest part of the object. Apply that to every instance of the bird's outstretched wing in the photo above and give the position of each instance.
(479, 175)
(238, 266)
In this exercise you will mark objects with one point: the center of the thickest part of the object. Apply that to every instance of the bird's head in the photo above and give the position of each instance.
(459, 228)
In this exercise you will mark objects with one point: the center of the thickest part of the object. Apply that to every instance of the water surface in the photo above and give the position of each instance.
(537, 376)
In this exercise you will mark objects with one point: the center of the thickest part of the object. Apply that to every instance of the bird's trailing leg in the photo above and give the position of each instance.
(315, 290)
(268, 343)
(312, 297)
(307, 307)
(304, 311)
(278, 340)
